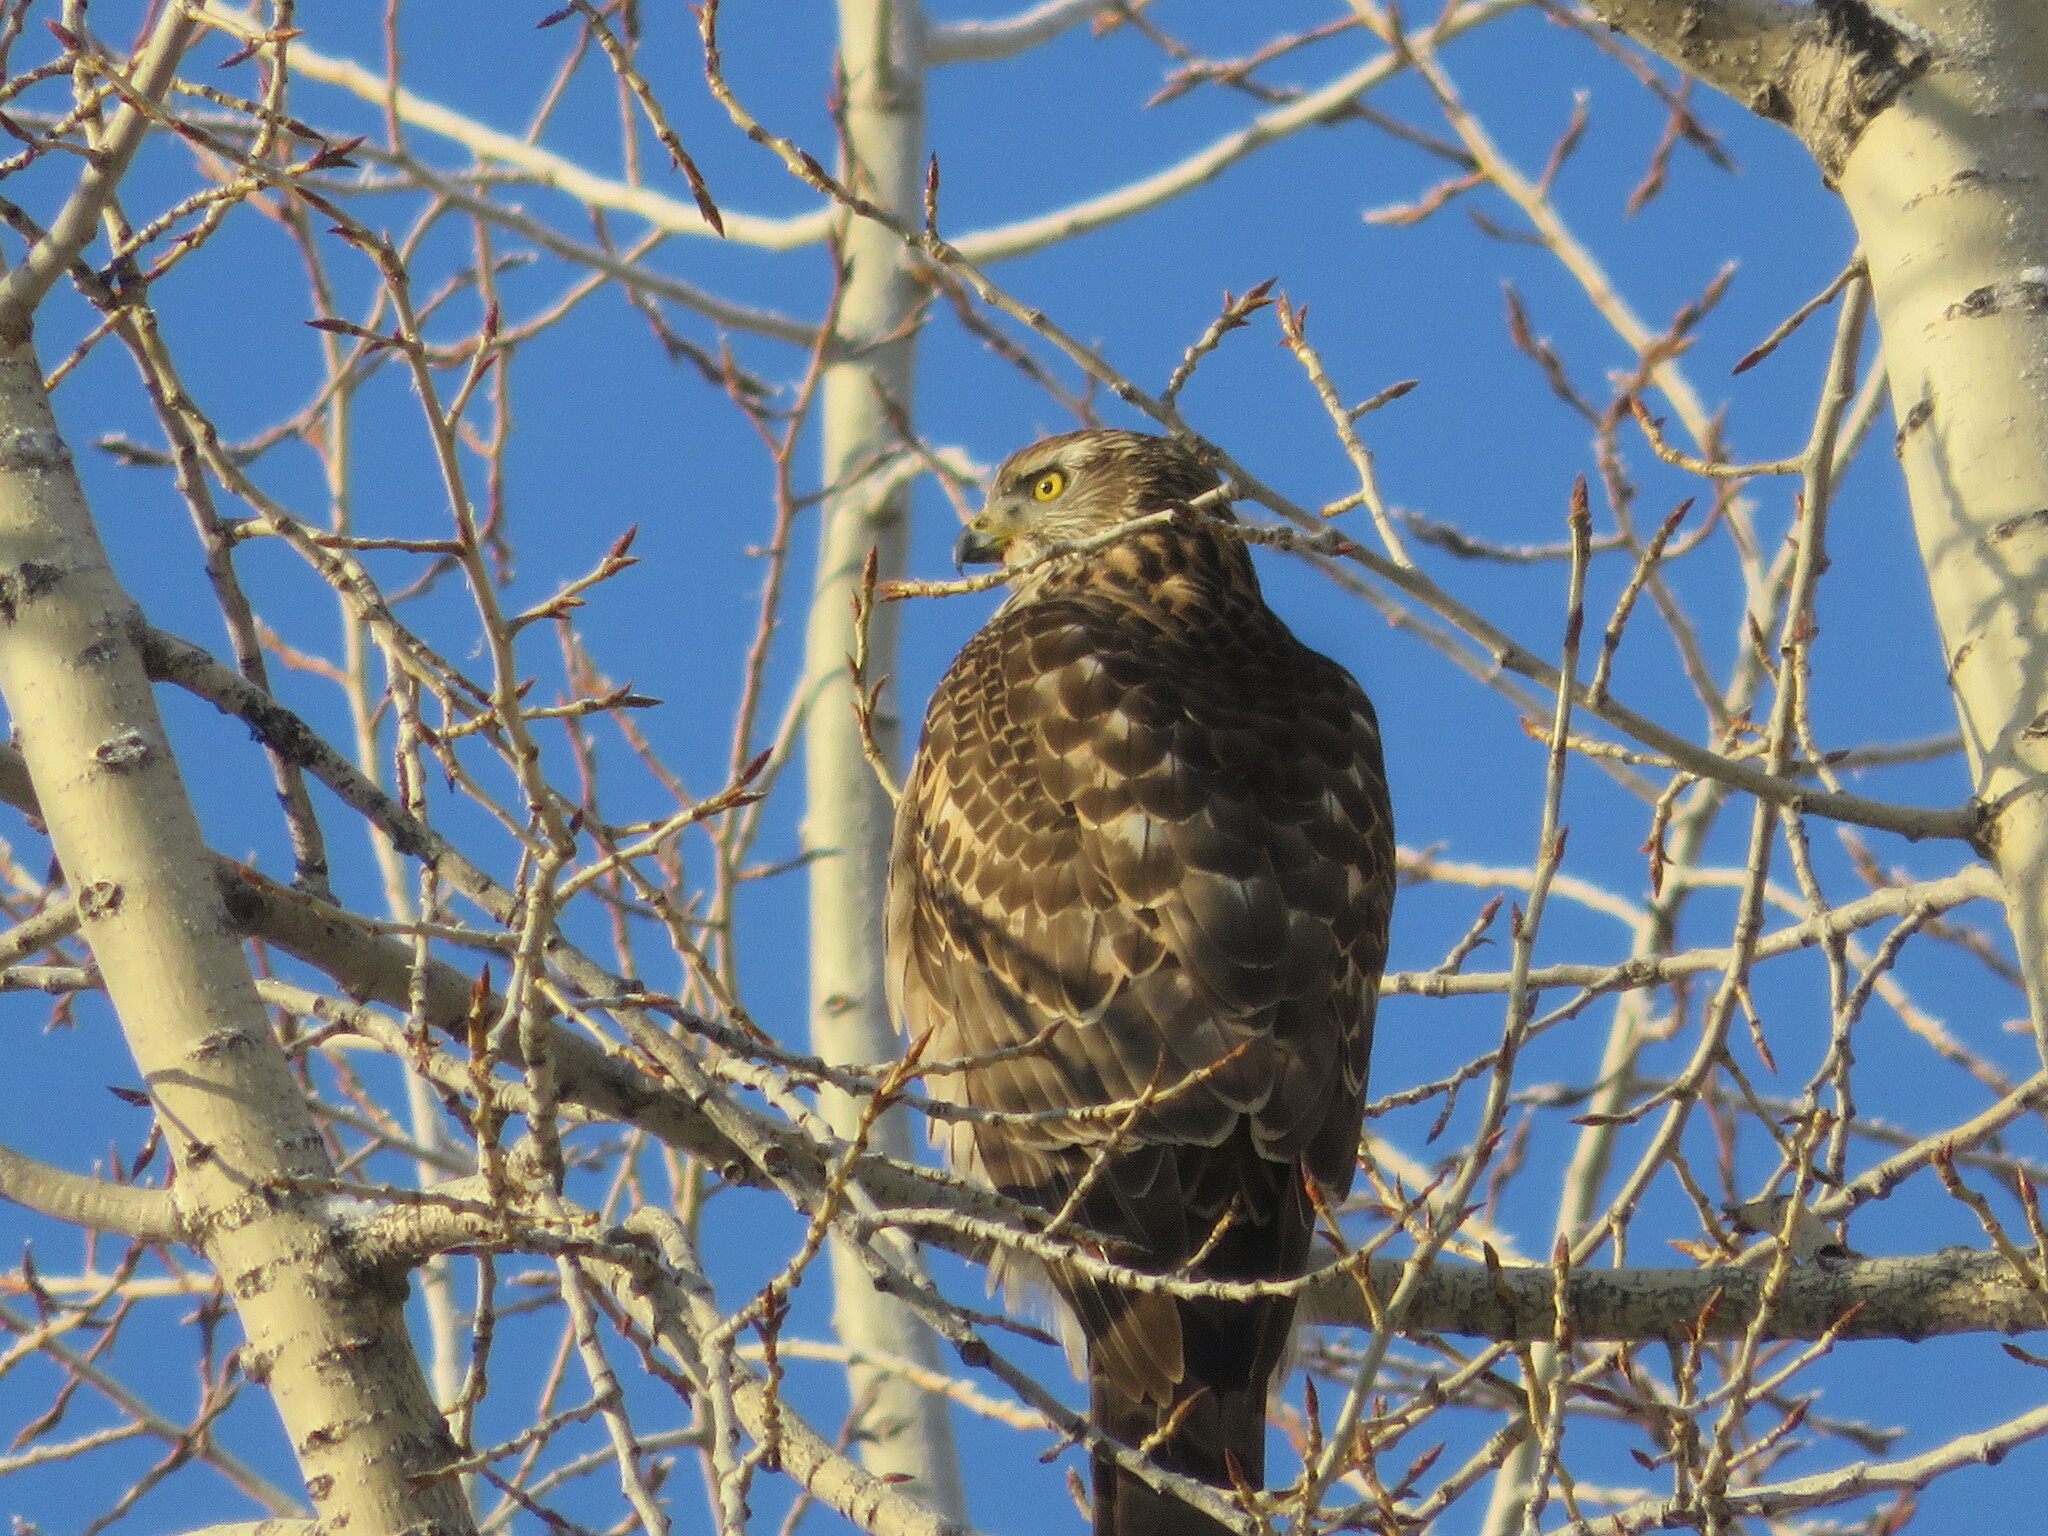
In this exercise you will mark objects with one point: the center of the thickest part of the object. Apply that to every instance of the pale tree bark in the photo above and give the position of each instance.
(848, 816)
(252, 1172)
(1946, 189)
(734, 1108)
(1927, 118)
(327, 1334)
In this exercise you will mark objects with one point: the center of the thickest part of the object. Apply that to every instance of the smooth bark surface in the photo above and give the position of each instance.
(1938, 154)
(328, 1338)
(848, 816)
(1947, 193)
(1824, 71)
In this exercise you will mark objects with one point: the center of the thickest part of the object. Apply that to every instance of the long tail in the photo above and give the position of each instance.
(1229, 1350)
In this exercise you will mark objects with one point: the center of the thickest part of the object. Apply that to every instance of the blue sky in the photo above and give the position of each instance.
(612, 434)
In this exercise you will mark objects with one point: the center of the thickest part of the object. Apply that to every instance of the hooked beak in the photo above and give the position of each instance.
(974, 547)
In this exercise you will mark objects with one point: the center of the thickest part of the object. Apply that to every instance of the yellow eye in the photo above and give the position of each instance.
(1048, 485)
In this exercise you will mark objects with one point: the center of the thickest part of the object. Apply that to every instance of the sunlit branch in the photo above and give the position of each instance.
(978, 42)
(1317, 106)
(544, 166)
(22, 289)
(122, 1210)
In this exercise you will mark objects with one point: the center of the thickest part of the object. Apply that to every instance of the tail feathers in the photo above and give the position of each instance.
(1185, 1378)
(1126, 1506)
(1219, 1439)
(1217, 1420)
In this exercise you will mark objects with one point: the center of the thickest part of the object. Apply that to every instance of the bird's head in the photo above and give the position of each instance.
(1075, 485)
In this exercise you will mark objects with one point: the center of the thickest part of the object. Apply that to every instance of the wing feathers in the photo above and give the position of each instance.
(1146, 814)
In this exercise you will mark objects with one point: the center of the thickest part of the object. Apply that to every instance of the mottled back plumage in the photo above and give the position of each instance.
(1146, 821)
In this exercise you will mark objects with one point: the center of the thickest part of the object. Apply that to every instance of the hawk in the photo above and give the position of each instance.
(1142, 870)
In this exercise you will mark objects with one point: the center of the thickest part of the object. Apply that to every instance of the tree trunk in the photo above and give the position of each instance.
(849, 817)
(1947, 191)
(1928, 119)
(326, 1334)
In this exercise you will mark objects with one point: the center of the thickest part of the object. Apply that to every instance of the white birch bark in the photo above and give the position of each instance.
(326, 1334)
(1931, 119)
(1947, 191)
(848, 818)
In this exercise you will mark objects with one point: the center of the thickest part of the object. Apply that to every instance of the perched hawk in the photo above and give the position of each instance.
(1150, 826)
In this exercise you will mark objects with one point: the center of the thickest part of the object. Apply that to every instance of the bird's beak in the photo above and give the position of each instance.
(974, 547)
